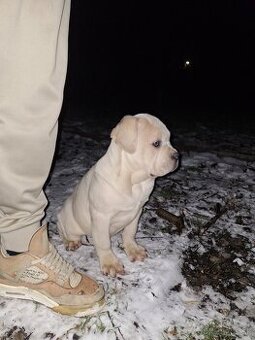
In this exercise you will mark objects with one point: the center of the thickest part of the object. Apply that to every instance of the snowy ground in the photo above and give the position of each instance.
(198, 282)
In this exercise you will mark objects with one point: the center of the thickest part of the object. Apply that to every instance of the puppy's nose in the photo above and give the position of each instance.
(175, 156)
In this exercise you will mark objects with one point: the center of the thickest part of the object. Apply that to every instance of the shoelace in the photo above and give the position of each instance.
(57, 264)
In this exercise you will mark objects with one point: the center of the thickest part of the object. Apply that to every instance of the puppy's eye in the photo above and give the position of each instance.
(157, 143)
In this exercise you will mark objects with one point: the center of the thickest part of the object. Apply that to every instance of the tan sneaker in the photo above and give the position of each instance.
(42, 275)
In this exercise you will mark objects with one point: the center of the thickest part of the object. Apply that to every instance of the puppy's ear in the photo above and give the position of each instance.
(125, 133)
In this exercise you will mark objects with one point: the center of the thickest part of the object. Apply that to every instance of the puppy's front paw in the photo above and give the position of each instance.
(72, 245)
(135, 252)
(110, 265)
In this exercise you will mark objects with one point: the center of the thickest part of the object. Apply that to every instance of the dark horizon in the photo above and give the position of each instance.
(190, 60)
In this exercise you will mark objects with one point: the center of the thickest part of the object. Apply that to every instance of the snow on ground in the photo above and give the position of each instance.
(193, 279)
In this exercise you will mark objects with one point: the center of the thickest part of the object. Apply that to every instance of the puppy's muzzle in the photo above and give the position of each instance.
(175, 156)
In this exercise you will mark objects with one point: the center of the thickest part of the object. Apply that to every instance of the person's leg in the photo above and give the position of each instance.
(33, 62)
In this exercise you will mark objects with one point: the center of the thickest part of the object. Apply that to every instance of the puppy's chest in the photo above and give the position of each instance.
(130, 206)
(140, 194)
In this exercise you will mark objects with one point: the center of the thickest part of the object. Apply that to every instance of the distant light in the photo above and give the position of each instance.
(187, 65)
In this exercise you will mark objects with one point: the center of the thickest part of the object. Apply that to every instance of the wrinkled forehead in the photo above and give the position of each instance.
(153, 126)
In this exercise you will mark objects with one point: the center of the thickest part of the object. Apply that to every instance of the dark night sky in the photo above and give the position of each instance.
(129, 57)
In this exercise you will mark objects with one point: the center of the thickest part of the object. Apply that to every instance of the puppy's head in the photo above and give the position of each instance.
(146, 140)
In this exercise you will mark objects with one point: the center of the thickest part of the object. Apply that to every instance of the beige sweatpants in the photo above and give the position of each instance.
(33, 62)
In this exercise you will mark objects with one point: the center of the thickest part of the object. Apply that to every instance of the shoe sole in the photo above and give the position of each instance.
(30, 294)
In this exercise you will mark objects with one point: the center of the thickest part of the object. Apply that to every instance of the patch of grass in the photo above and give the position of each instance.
(91, 323)
(214, 330)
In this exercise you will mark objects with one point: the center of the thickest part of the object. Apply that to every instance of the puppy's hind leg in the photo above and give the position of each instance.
(72, 245)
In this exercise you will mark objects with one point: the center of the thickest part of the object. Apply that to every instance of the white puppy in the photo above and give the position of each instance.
(111, 195)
